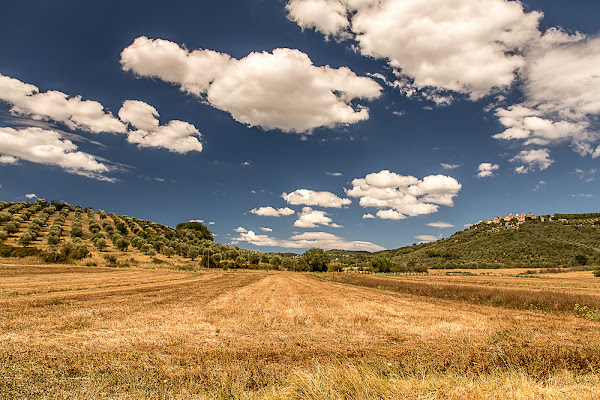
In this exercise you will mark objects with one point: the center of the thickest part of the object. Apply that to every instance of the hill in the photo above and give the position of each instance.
(59, 232)
(558, 241)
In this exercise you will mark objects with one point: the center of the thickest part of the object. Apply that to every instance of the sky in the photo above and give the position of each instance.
(290, 124)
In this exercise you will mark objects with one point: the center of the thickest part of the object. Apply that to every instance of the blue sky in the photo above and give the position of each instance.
(288, 124)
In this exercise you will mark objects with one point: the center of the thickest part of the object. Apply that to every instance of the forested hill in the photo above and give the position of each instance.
(558, 241)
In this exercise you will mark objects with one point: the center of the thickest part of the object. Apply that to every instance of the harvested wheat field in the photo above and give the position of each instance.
(87, 332)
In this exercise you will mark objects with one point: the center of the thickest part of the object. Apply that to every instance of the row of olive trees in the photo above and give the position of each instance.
(56, 230)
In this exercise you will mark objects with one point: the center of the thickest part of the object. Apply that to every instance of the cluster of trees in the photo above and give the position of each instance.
(34, 228)
(15, 214)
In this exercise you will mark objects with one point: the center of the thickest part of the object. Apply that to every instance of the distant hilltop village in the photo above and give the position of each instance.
(520, 218)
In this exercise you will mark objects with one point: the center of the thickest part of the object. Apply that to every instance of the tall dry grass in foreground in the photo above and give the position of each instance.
(133, 334)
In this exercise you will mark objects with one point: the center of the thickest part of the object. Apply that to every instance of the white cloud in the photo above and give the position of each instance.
(246, 164)
(486, 170)
(532, 160)
(583, 195)
(176, 136)
(240, 229)
(8, 160)
(398, 196)
(312, 198)
(335, 174)
(307, 240)
(211, 223)
(74, 112)
(266, 229)
(368, 216)
(440, 224)
(279, 90)
(449, 166)
(467, 46)
(328, 17)
(31, 196)
(390, 214)
(48, 147)
(427, 238)
(562, 94)
(272, 212)
(310, 218)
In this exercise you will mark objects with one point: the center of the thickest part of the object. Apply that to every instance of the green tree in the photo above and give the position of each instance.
(381, 264)
(581, 259)
(26, 238)
(316, 260)
(275, 260)
(198, 228)
(122, 244)
(193, 252)
(100, 243)
(168, 251)
(11, 227)
(240, 262)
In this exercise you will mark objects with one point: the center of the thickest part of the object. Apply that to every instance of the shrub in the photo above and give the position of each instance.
(597, 273)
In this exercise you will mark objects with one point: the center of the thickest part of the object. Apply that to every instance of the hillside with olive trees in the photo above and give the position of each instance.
(58, 232)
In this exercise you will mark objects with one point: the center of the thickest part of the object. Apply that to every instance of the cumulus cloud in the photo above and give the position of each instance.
(313, 198)
(441, 225)
(486, 170)
(266, 229)
(390, 214)
(335, 174)
(400, 196)
(31, 196)
(466, 46)
(307, 240)
(562, 94)
(176, 136)
(278, 90)
(74, 112)
(368, 216)
(532, 160)
(310, 218)
(48, 147)
(272, 212)
(240, 229)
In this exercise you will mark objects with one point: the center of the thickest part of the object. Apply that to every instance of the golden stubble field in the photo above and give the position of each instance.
(86, 332)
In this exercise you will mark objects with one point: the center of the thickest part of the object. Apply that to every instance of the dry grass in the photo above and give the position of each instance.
(133, 333)
(525, 293)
